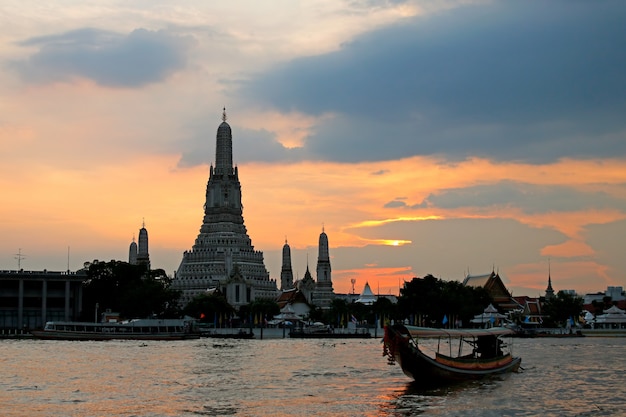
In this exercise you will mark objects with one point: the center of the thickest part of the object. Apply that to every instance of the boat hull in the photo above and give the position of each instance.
(138, 329)
(426, 370)
(54, 335)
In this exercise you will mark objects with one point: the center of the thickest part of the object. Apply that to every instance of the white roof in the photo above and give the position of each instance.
(288, 308)
(614, 310)
(367, 297)
(287, 313)
(491, 309)
(489, 313)
(613, 315)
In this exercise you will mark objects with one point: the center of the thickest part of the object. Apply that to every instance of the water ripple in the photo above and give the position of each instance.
(581, 377)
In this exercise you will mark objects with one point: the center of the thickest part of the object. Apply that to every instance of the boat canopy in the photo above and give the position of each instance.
(434, 332)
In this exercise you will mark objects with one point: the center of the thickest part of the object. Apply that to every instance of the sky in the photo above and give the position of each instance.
(424, 137)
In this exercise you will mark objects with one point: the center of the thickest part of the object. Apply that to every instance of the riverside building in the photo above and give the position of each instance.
(30, 298)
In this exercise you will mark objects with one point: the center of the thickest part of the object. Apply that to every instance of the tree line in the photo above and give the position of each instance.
(136, 291)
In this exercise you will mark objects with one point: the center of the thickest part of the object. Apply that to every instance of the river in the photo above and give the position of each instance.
(290, 377)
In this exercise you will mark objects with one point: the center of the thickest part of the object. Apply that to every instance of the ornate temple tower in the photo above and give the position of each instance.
(143, 257)
(286, 273)
(307, 285)
(132, 252)
(223, 241)
(323, 294)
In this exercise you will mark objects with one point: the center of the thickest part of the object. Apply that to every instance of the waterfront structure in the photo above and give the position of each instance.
(496, 289)
(286, 273)
(223, 255)
(614, 294)
(530, 310)
(323, 293)
(490, 317)
(28, 299)
(306, 285)
(296, 299)
(367, 297)
(613, 318)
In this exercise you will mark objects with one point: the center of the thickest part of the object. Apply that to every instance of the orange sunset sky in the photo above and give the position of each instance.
(424, 137)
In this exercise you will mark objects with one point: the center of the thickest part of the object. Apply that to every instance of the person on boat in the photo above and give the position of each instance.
(489, 347)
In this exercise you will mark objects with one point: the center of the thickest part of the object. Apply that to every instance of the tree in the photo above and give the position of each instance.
(562, 307)
(262, 309)
(431, 299)
(384, 309)
(338, 312)
(209, 308)
(316, 313)
(600, 306)
(131, 290)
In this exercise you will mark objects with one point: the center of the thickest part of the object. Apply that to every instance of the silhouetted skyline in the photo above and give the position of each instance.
(425, 137)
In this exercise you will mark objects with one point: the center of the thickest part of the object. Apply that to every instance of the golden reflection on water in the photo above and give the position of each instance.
(284, 377)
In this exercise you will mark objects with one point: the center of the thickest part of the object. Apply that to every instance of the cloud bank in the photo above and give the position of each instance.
(109, 59)
(529, 198)
(511, 81)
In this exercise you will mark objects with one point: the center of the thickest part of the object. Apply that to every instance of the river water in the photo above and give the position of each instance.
(290, 377)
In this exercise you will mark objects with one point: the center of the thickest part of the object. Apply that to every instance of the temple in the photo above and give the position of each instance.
(223, 255)
(323, 293)
(138, 254)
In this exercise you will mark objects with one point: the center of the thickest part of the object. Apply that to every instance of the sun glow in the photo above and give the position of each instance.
(394, 242)
(374, 223)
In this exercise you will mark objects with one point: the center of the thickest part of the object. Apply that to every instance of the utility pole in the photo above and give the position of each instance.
(19, 258)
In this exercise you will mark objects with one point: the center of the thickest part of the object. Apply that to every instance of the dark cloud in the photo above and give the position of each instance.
(110, 59)
(381, 172)
(530, 198)
(512, 80)
(395, 204)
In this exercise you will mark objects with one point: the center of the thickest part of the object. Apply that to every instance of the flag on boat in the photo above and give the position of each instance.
(353, 318)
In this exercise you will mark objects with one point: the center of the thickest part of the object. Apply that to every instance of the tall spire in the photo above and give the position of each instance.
(224, 148)
(323, 294)
(286, 273)
(223, 245)
(549, 290)
(143, 255)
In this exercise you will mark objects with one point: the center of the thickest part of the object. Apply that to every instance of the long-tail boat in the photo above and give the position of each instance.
(486, 353)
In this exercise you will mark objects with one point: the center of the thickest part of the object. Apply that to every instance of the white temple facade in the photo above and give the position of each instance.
(223, 255)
